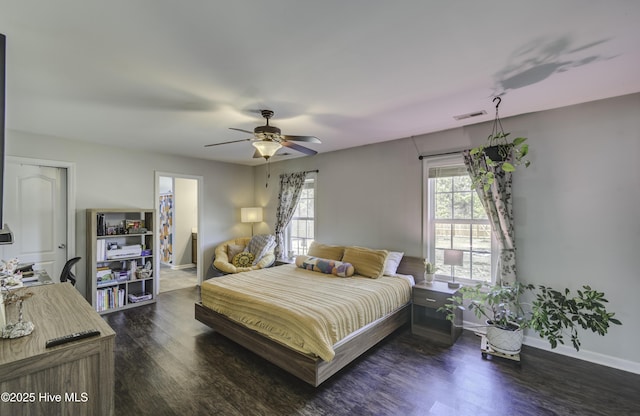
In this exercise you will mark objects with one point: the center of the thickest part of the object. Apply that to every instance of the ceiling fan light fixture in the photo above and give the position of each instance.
(267, 148)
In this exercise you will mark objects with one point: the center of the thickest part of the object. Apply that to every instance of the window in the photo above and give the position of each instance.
(301, 230)
(455, 219)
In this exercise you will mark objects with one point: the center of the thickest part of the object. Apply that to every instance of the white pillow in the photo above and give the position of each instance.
(392, 263)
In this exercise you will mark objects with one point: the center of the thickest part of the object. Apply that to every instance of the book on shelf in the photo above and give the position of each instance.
(101, 250)
(113, 297)
(140, 297)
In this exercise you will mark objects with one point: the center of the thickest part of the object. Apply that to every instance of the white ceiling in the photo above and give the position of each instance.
(175, 75)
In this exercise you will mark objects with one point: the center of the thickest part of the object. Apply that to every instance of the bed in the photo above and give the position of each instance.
(278, 334)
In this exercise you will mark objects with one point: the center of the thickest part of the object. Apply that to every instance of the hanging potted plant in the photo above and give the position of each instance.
(550, 314)
(500, 153)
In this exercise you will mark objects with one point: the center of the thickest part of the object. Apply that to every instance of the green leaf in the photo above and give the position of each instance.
(519, 140)
(508, 167)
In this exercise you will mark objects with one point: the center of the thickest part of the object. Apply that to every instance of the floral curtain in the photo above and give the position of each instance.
(291, 185)
(497, 202)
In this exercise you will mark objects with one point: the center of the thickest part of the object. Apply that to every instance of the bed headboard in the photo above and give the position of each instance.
(413, 266)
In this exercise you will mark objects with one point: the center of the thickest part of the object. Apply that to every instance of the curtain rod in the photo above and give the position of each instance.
(440, 154)
(420, 157)
(304, 171)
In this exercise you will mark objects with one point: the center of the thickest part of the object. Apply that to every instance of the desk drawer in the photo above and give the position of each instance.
(429, 298)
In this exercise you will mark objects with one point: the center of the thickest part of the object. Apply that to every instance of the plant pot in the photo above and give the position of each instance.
(498, 153)
(506, 341)
(429, 277)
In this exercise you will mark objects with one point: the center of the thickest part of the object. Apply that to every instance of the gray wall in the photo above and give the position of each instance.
(576, 206)
(110, 177)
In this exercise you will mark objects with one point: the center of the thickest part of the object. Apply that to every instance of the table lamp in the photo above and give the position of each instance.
(453, 258)
(252, 215)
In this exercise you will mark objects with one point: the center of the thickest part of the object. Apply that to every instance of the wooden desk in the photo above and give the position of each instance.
(79, 374)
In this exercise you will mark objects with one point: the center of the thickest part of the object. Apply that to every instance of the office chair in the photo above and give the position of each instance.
(66, 271)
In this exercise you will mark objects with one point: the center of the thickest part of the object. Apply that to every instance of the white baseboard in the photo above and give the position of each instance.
(586, 355)
(183, 266)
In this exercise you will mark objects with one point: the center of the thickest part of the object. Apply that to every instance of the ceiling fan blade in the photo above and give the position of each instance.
(232, 141)
(308, 139)
(299, 148)
(244, 131)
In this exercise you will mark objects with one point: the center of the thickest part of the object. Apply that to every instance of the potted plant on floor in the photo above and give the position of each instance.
(551, 314)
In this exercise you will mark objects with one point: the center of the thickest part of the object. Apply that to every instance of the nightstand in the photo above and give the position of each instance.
(426, 321)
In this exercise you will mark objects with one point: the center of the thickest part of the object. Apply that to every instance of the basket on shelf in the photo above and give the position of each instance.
(143, 273)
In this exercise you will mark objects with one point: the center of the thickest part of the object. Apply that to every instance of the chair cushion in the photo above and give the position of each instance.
(223, 261)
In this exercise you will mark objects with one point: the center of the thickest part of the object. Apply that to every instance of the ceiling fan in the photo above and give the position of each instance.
(268, 139)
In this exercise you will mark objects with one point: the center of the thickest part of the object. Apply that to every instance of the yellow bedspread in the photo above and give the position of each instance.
(305, 310)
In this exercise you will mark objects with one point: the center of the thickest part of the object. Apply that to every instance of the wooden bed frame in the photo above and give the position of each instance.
(310, 369)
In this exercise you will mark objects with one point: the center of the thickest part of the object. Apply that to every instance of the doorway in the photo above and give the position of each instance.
(178, 204)
(39, 204)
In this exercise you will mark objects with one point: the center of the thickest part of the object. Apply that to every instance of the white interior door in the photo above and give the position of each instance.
(35, 210)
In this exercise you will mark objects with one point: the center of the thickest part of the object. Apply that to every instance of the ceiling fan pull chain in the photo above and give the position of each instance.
(266, 185)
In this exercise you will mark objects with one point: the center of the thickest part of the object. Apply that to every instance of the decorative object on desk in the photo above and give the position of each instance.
(453, 258)
(10, 298)
(552, 312)
(9, 266)
(498, 155)
(251, 215)
(429, 272)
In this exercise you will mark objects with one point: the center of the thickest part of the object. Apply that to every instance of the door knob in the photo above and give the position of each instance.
(62, 245)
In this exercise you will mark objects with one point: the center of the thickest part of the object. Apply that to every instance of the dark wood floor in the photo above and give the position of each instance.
(167, 363)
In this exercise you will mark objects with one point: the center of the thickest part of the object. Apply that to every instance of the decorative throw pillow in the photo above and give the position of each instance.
(325, 251)
(326, 266)
(233, 249)
(260, 245)
(392, 263)
(367, 262)
(243, 259)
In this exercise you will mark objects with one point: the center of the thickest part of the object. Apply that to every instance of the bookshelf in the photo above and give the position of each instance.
(121, 259)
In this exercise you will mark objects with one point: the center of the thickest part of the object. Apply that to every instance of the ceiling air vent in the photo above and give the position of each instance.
(469, 115)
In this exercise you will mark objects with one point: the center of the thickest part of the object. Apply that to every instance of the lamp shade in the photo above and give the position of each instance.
(253, 214)
(453, 257)
(267, 148)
